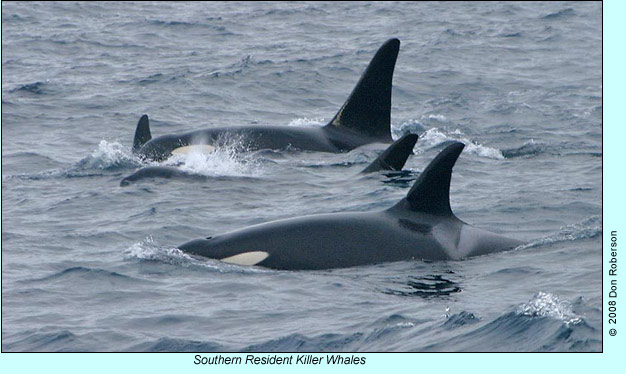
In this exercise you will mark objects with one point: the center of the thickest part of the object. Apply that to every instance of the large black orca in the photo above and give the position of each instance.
(393, 158)
(420, 226)
(364, 118)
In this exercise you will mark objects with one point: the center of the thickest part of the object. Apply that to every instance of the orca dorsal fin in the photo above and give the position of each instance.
(431, 192)
(368, 108)
(142, 134)
(395, 156)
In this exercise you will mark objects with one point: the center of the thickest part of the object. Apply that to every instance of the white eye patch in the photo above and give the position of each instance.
(247, 258)
(197, 148)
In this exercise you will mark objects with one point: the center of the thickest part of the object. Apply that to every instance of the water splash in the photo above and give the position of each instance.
(411, 126)
(149, 250)
(435, 137)
(108, 155)
(437, 117)
(545, 304)
(307, 122)
(223, 161)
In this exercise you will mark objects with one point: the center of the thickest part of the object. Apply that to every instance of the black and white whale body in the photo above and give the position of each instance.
(364, 118)
(393, 158)
(167, 172)
(420, 226)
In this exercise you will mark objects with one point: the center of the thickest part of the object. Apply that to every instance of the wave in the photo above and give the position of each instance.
(44, 342)
(64, 341)
(533, 148)
(108, 156)
(378, 335)
(544, 304)
(587, 229)
(232, 69)
(37, 88)
(510, 35)
(302, 343)
(309, 10)
(436, 138)
(432, 134)
(460, 319)
(544, 323)
(188, 25)
(177, 345)
(567, 12)
(82, 274)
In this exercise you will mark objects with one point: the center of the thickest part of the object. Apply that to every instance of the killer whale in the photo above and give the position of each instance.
(364, 118)
(167, 172)
(393, 158)
(420, 226)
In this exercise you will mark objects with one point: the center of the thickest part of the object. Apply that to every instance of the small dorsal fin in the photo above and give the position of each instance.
(395, 156)
(142, 134)
(368, 108)
(431, 192)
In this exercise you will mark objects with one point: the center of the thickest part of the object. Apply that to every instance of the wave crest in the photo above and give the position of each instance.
(545, 304)
(435, 137)
(589, 228)
(108, 156)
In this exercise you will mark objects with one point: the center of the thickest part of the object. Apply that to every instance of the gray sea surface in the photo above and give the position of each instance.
(88, 265)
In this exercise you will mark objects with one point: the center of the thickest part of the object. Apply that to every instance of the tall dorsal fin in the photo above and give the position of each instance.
(368, 108)
(142, 134)
(431, 192)
(395, 156)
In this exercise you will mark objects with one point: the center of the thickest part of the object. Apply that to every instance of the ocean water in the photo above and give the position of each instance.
(88, 265)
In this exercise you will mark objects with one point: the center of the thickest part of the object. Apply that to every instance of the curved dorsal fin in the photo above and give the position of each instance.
(431, 192)
(395, 156)
(368, 108)
(142, 133)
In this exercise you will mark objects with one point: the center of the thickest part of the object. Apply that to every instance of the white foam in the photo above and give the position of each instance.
(411, 126)
(434, 136)
(307, 122)
(108, 155)
(438, 117)
(150, 250)
(545, 304)
(482, 151)
(222, 161)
